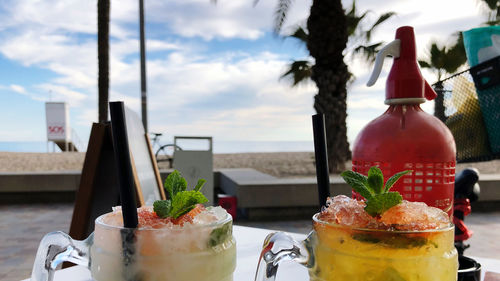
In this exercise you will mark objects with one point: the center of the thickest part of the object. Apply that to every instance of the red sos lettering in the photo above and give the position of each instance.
(56, 130)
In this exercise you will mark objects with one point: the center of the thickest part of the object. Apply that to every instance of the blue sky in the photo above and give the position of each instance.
(211, 69)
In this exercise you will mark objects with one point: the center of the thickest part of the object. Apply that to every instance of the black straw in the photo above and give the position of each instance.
(320, 152)
(124, 164)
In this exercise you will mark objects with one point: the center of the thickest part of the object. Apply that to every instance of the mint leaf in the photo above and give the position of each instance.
(200, 184)
(376, 180)
(392, 240)
(357, 176)
(180, 201)
(380, 203)
(392, 180)
(378, 198)
(162, 208)
(175, 183)
(185, 201)
(219, 235)
(358, 182)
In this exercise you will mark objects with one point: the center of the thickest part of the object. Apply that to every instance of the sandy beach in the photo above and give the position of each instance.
(279, 164)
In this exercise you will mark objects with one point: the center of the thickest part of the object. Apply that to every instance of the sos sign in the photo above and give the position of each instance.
(56, 130)
(57, 127)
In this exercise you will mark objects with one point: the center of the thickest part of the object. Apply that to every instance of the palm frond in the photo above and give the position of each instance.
(352, 12)
(300, 33)
(379, 21)
(353, 21)
(436, 55)
(280, 14)
(350, 78)
(368, 52)
(445, 60)
(424, 64)
(455, 56)
(298, 72)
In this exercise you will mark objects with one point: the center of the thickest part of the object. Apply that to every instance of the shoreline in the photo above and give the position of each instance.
(278, 164)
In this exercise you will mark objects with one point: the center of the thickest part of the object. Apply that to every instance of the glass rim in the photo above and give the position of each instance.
(228, 218)
(364, 229)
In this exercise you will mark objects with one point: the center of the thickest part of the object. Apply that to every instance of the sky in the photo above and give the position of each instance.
(212, 69)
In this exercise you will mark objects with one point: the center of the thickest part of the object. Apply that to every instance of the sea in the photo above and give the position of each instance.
(218, 146)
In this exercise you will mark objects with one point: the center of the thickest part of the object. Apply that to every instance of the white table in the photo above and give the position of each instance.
(248, 243)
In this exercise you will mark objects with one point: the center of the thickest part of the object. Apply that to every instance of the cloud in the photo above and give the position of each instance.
(226, 19)
(188, 91)
(63, 93)
(85, 116)
(194, 87)
(264, 122)
(75, 62)
(226, 97)
(70, 15)
(18, 89)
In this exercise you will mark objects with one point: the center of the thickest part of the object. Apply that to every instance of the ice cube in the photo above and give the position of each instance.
(347, 211)
(414, 216)
(210, 215)
(115, 218)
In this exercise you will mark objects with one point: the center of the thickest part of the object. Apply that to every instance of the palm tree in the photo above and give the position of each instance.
(103, 7)
(328, 30)
(327, 25)
(300, 70)
(447, 60)
(444, 60)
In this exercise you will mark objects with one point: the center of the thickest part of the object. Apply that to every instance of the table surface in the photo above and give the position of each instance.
(248, 243)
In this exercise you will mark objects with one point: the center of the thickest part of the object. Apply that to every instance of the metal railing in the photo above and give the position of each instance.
(467, 115)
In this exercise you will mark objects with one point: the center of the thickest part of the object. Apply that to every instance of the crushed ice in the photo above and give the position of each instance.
(405, 216)
(148, 219)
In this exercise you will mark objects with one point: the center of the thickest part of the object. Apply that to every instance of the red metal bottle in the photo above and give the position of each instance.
(405, 137)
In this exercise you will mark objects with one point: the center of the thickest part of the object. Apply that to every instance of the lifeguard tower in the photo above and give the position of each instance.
(58, 129)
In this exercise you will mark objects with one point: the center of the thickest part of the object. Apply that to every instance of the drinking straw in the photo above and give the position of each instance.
(124, 164)
(321, 155)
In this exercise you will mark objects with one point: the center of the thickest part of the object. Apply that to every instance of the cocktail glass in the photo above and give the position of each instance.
(188, 252)
(344, 253)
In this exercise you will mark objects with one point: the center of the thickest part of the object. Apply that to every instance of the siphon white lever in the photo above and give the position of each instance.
(391, 49)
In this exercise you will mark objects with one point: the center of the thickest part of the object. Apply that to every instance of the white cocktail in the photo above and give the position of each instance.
(197, 246)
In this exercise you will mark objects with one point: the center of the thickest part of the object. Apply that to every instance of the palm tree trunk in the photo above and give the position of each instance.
(327, 40)
(439, 102)
(103, 7)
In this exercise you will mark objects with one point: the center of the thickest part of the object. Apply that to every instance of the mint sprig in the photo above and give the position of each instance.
(219, 235)
(378, 197)
(180, 200)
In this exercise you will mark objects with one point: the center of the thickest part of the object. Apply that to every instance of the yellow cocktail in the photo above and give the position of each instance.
(408, 242)
(346, 253)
